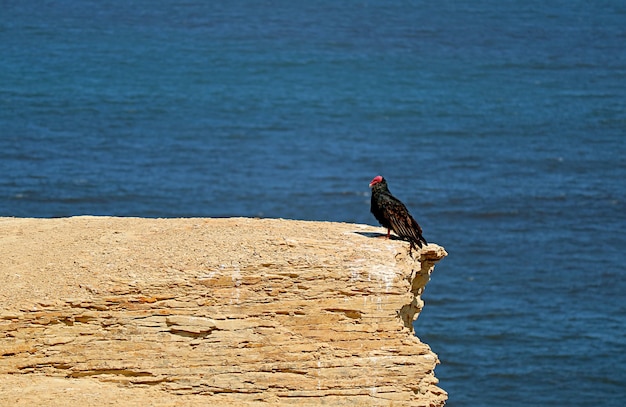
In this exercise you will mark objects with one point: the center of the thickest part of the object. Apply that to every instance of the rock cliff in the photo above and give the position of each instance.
(163, 312)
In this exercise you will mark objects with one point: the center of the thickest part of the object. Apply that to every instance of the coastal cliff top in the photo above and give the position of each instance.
(233, 311)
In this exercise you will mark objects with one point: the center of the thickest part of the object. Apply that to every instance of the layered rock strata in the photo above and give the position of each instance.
(238, 311)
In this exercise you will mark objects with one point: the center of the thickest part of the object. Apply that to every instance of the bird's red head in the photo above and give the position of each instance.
(376, 180)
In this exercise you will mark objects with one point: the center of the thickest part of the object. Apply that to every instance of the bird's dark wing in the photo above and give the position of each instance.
(402, 222)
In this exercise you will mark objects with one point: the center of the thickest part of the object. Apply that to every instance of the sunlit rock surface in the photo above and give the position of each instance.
(127, 311)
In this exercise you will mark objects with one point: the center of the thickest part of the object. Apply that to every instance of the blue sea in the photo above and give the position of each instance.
(500, 124)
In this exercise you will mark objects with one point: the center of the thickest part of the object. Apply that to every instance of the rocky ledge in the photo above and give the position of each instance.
(126, 311)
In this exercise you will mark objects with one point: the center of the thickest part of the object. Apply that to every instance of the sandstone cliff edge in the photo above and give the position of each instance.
(164, 312)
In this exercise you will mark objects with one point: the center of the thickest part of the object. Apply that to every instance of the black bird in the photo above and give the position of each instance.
(392, 214)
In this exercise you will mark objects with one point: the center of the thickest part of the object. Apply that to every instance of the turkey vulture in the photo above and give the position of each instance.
(392, 214)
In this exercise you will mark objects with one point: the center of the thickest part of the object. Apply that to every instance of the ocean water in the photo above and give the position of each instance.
(501, 125)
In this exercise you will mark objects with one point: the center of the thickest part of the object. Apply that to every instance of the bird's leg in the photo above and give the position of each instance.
(388, 232)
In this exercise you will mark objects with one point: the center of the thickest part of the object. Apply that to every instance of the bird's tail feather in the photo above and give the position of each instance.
(418, 241)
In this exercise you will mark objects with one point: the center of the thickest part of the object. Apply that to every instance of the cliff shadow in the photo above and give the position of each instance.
(377, 235)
